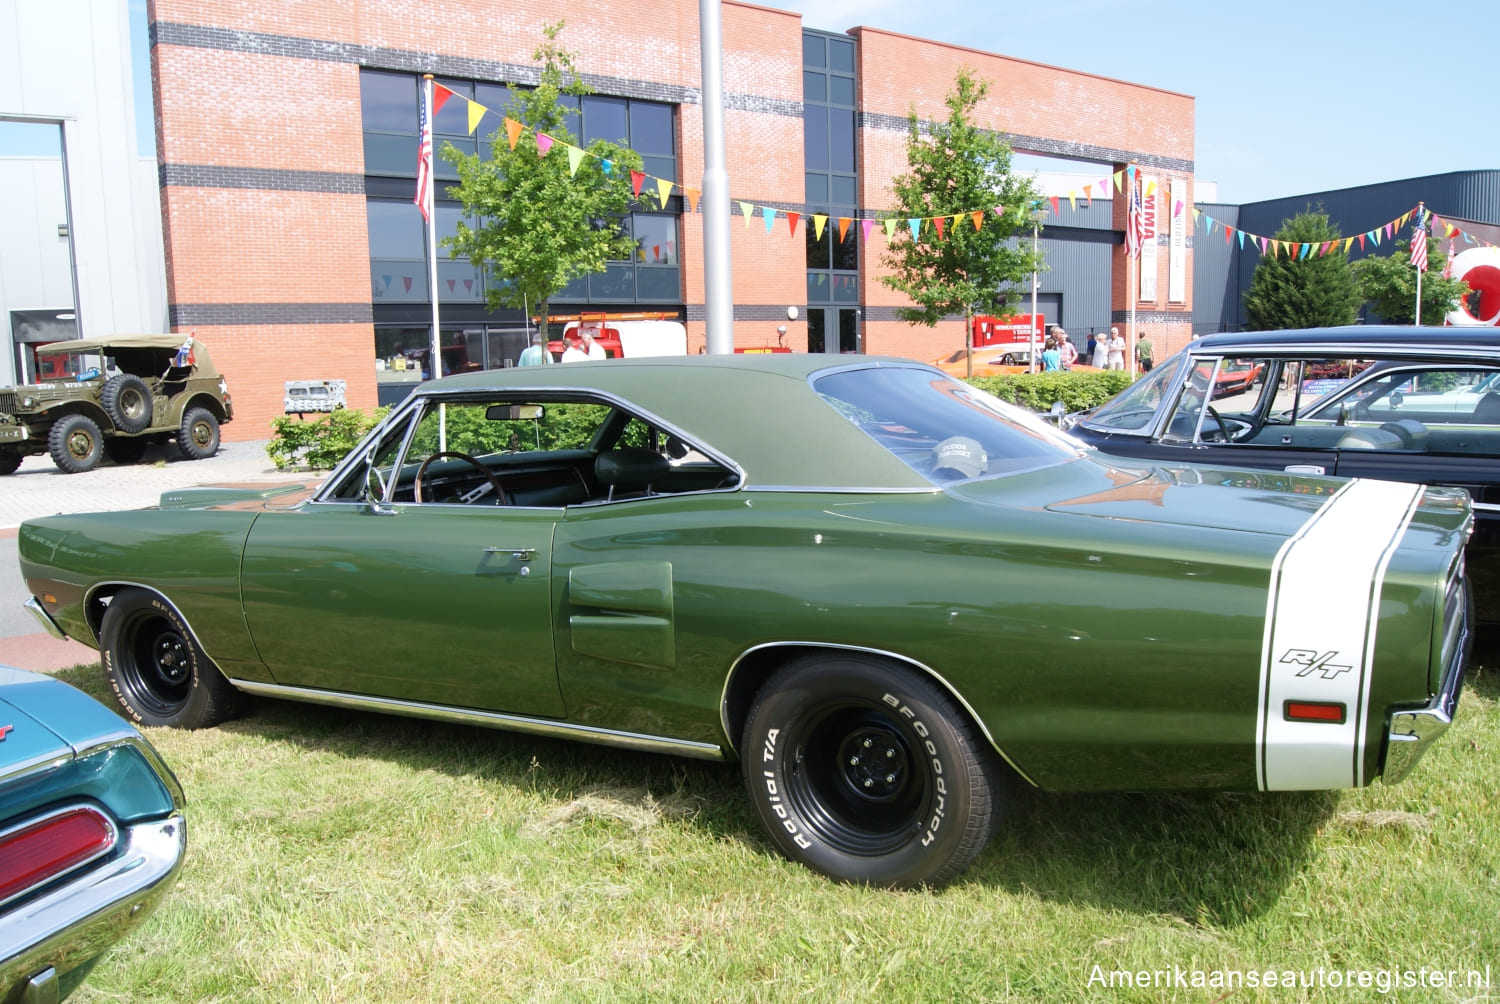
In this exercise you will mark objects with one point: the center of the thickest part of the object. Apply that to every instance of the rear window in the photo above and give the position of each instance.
(942, 428)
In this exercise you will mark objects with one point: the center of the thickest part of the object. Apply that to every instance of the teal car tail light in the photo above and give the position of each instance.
(37, 852)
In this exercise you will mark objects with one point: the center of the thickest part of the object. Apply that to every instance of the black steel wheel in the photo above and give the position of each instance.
(155, 667)
(198, 436)
(126, 399)
(869, 772)
(75, 443)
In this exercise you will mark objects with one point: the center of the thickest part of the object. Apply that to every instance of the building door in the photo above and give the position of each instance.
(833, 330)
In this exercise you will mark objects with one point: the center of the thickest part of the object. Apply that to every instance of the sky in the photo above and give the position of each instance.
(1290, 98)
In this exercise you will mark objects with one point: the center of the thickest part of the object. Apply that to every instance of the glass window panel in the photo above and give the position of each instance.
(398, 281)
(815, 331)
(394, 341)
(453, 118)
(655, 240)
(848, 331)
(660, 167)
(651, 128)
(844, 288)
(846, 252)
(395, 230)
(658, 284)
(815, 137)
(447, 226)
(817, 188)
(497, 98)
(458, 281)
(388, 102)
(817, 250)
(578, 289)
(505, 347)
(841, 192)
(841, 90)
(817, 292)
(617, 282)
(392, 155)
(841, 55)
(812, 51)
(605, 118)
(841, 139)
(814, 86)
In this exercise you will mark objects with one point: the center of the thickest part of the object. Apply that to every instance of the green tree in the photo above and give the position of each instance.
(1316, 291)
(528, 218)
(955, 168)
(1389, 284)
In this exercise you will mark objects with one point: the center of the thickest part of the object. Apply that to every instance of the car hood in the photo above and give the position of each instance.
(1226, 498)
(280, 495)
(46, 720)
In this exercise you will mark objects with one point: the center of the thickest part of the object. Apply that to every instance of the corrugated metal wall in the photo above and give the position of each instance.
(1219, 284)
(1078, 267)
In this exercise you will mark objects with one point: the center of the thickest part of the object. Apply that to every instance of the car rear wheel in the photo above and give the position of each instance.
(124, 450)
(127, 401)
(868, 772)
(198, 437)
(75, 443)
(155, 667)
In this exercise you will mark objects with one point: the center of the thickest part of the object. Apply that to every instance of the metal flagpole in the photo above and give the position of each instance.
(429, 207)
(1421, 267)
(1031, 336)
(718, 281)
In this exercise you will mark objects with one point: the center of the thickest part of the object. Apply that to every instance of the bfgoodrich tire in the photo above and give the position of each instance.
(154, 665)
(198, 436)
(126, 399)
(75, 443)
(868, 772)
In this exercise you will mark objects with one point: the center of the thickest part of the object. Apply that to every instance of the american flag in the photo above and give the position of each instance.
(423, 198)
(1134, 225)
(1419, 242)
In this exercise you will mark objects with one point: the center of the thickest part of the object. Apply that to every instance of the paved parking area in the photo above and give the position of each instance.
(40, 489)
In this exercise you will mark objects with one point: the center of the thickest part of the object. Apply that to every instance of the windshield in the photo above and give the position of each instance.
(942, 428)
(1133, 408)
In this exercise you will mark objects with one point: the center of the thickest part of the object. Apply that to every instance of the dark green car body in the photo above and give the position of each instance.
(1096, 623)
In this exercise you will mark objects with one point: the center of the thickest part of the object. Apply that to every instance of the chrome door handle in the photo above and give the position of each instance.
(1304, 469)
(519, 553)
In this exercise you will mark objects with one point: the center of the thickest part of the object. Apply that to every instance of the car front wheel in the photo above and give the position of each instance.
(198, 437)
(75, 443)
(868, 772)
(155, 667)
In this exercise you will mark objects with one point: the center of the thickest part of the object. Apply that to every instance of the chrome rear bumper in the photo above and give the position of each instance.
(1412, 730)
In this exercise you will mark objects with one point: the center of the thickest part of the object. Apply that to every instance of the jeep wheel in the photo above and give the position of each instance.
(127, 401)
(10, 462)
(125, 449)
(198, 438)
(75, 443)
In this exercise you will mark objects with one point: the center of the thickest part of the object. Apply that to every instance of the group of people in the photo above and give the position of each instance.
(1105, 353)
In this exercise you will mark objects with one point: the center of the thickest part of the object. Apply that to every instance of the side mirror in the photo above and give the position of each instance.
(1056, 412)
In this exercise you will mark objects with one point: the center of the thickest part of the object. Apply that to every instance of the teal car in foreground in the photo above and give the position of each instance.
(91, 834)
(886, 594)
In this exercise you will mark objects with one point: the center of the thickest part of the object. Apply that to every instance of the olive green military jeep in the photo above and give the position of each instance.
(114, 397)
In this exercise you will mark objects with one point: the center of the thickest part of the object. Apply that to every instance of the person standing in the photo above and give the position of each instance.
(534, 354)
(1143, 354)
(1116, 357)
(586, 349)
(1092, 347)
(1101, 349)
(1051, 356)
(1069, 350)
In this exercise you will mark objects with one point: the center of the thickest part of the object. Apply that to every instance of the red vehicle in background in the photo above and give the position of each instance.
(621, 335)
(1016, 337)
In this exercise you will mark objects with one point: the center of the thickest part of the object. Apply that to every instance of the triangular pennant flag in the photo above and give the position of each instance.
(865, 226)
(1347, 242)
(956, 218)
(1072, 199)
(452, 285)
(1263, 245)
(1088, 193)
(476, 112)
(1151, 190)
(513, 130)
(1303, 250)
(940, 222)
(747, 209)
(608, 165)
(1376, 235)
(575, 157)
(663, 190)
(387, 279)
(1198, 215)
(544, 143)
(791, 222)
(692, 197)
(1275, 248)
(1177, 208)
(999, 210)
(915, 223)
(1240, 234)
(819, 222)
(1130, 173)
(1055, 201)
(844, 222)
(637, 179)
(1361, 242)
(1103, 187)
(1119, 179)
(440, 96)
(768, 214)
(890, 228)
(978, 217)
(406, 281)
(1227, 234)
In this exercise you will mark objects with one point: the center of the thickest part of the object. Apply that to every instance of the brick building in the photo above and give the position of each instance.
(286, 144)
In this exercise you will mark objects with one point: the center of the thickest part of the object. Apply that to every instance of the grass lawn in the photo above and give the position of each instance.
(338, 856)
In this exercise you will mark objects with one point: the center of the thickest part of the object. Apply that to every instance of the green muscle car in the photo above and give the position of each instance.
(888, 595)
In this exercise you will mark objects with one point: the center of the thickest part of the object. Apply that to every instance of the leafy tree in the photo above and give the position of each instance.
(954, 169)
(527, 218)
(1389, 284)
(1317, 291)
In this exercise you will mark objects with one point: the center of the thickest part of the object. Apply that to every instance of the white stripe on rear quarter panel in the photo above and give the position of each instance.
(1320, 629)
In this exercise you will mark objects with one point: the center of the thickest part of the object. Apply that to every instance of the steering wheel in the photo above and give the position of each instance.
(1228, 427)
(1223, 425)
(489, 475)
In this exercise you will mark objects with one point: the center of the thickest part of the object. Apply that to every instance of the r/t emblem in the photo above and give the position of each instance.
(1311, 662)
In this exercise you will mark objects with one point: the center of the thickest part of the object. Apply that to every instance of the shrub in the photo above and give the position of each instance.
(1077, 390)
(319, 443)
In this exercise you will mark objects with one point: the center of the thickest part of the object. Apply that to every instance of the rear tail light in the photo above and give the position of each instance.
(37, 852)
